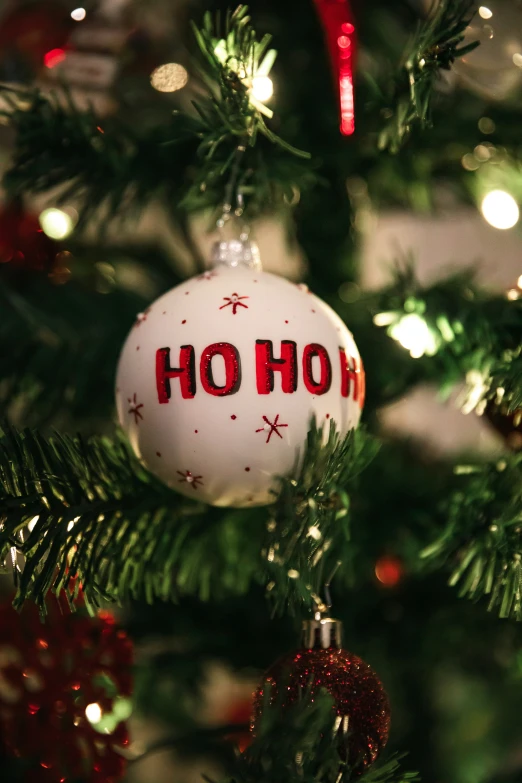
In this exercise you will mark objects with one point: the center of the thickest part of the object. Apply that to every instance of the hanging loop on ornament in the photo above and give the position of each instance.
(240, 251)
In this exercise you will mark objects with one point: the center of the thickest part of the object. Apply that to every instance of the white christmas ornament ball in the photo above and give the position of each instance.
(219, 379)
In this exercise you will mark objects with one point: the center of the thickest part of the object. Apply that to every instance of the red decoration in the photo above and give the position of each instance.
(234, 301)
(323, 384)
(353, 374)
(360, 699)
(232, 362)
(339, 28)
(267, 364)
(49, 673)
(389, 570)
(22, 241)
(271, 427)
(186, 373)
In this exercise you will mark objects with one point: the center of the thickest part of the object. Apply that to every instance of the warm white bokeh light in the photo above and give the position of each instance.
(485, 12)
(500, 209)
(78, 14)
(169, 77)
(56, 223)
(414, 334)
(262, 88)
(93, 713)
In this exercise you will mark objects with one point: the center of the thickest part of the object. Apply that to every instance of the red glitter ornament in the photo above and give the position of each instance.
(49, 675)
(360, 700)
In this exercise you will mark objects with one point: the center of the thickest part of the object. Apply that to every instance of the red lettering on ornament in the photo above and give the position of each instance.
(267, 365)
(325, 381)
(352, 375)
(232, 361)
(186, 373)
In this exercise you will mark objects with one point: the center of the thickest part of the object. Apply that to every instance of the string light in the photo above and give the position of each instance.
(414, 334)
(93, 713)
(485, 12)
(262, 88)
(56, 223)
(500, 209)
(78, 14)
(54, 57)
(169, 77)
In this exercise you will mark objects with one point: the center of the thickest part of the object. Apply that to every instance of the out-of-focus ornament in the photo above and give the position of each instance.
(494, 69)
(360, 699)
(23, 242)
(389, 570)
(64, 690)
(28, 31)
(509, 425)
(339, 29)
(220, 377)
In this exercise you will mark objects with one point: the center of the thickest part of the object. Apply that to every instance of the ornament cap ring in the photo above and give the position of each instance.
(236, 253)
(322, 633)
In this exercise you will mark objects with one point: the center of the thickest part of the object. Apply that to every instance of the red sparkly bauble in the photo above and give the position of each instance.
(22, 241)
(360, 699)
(49, 675)
(509, 425)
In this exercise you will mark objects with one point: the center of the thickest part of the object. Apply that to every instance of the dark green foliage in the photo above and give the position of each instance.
(105, 520)
(482, 538)
(435, 46)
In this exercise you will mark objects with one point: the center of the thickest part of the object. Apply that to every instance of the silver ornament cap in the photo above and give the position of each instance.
(322, 633)
(236, 253)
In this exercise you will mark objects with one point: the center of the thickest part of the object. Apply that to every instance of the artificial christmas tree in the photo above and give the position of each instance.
(324, 518)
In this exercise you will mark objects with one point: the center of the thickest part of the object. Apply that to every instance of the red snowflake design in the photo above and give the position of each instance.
(141, 317)
(134, 408)
(188, 478)
(207, 275)
(234, 301)
(271, 427)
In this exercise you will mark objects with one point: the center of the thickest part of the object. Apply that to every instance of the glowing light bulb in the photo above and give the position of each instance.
(169, 77)
(485, 12)
(262, 88)
(56, 223)
(78, 14)
(32, 523)
(54, 57)
(500, 209)
(414, 334)
(93, 713)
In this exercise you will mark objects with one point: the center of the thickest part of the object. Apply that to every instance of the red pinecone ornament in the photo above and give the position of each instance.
(49, 673)
(360, 699)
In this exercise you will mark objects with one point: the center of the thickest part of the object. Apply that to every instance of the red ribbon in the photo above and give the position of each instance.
(339, 28)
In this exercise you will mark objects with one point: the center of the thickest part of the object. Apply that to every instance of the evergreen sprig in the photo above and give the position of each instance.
(104, 161)
(435, 46)
(467, 332)
(85, 512)
(307, 743)
(482, 539)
